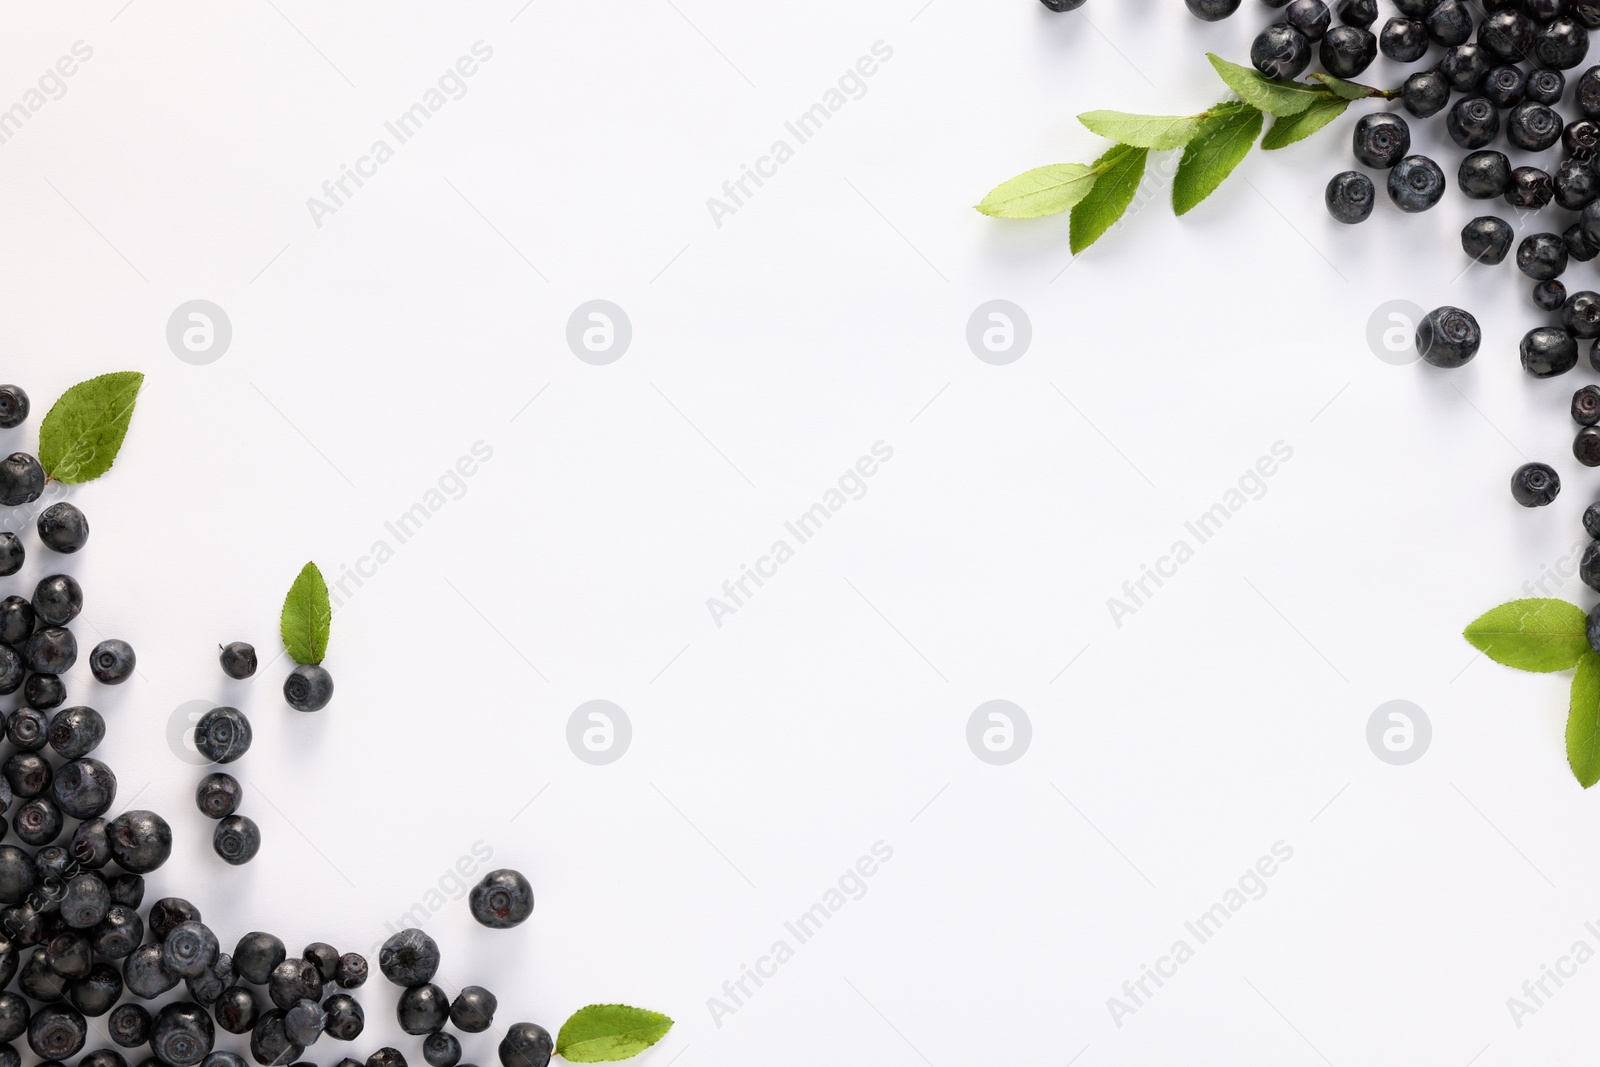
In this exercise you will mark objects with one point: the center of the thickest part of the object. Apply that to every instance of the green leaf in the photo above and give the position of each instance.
(307, 617)
(1531, 635)
(603, 1032)
(1289, 129)
(1224, 140)
(80, 437)
(1347, 90)
(1273, 97)
(1583, 722)
(1120, 172)
(1040, 191)
(1143, 131)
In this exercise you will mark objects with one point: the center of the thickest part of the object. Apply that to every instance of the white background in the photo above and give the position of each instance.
(768, 354)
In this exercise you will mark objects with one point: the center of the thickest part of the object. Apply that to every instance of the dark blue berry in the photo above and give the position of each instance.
(69, 955)
(90, 846)
(1506, 34)
(1533, 127)
(57, 1032)
(1404, 40)
(1449, 23)
(472, 1012)
(27, 773)
(1546, 86)
(386, 1057)
(1484, 174)
(1576, 184)
(1586, 446)
(256, 955)
(441, 1050)
(141, 841)
(129, 1024)
(16, 620)
(21, 479)
(526, 1045)
(238, 660)
(12, 670)
(1281, 52)
(12, 554)
(76, 732)
(13, 408)
(85, 788)
(423, 1009)
(1473, 121)
(1549, 296)
(207, 988)
(502, 899)
(236, 1010)
(292, 981)
(1310, 17)
(112, 662)
(1416, 183)
(1560, 44)
(1361, 13)
(222, 735)
(308, 688)
(1530, 188)
(303, 1022)
(1350, 197)
(189, 949)
(63, 528)
(119, 933)
(1464, 67)
(95, 994)
(1425, 93)
(86, 901)
(1210, 10)
(270, 1044)
(237, 839)
(1580, 314)
(351, 972)
(38, 821)
(409, 958)
(57, 600)
(1504, 86)
(51, 651)
(1542, 256)
(1381, 140)
(182, 1035)
(345, 1018)
(1548, 351)
(44, 691)
(324, 957)
(26, 727)
(1346, 51)
(218, 795)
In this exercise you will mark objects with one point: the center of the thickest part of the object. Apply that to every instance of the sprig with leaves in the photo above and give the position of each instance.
(1214, 142)
(1544, 636)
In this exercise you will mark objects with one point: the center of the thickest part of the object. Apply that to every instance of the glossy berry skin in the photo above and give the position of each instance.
(118, 934)
(84, 788)
(386, 1057)
(182, 1034)
(526, 1045)
(57, 1032)
(237, 839)
(303, 1022)
(1210, 10)
(409, 958)
(1586, 446)
(44, 691)
(52, 650)
(238, 659)
(21, 479)
(1381, 140)
(189, 949)
(112, 662)
(472, 1012)
(27, 773)
(63, 528)
(1546, 86)
(1549, 296)
(126, 889)
(129, 1024)
(292, 981)
(1589, 566)
(169, 913)
(1346, 51)
(256, 955)
(345, 1019)
(57, 600)
(1533, 127)
(1403, 40)
(1530, 188)
(1063, 5)
(1425, 93)
(1506, 34)
(96, 993)
(269, 1042)
(1464, 67)
(1281, 52)
(1504, 86)
(85, 902)
(503, 898)
(1533, 485)
(38, 821)
(206, 989)
(324, 957)
(423, 1009)
(13, 406)
(1350, 196)
(222, 735)
(218, 795)
(1560, 44)
(1586, 13)
(308, 688)
(1576, 184)
(1580, 314)
(351, 972)
(12, 553)
(1310, 17)
(141, 841)
(16, 620)
(236, 1010)
(1473, 122)
(1548, 351)
(441, 1050)
(1484, 174)
(12, 670)
(75, 732)
(1586, 412)
(1580, 139)
(1415, 184)
(1449, 23)
(26, 727)
(1360, 13)
(1542, 256)
(90, 847)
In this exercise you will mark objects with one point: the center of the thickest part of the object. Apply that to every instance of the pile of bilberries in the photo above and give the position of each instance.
(72, 937)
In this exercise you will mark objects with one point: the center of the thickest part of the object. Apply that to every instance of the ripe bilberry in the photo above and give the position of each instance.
(1403, 40)
(238, 659)
(57, 600)
(1505, 86)
(182, 1035)
(526, 1045)
(1506, 34)
(12, 554)
(141, 841)
(1533, 127)
(503, 898)
(57, 1032)
(1549, 296)
(345, 1019)
(1464, 67)
(145, 975)
(308, 688)
(1416, 183)
(1310, 17)
(351, 972)
(1425, 93)
(303, 1022)
(423, 1009)
(13, 411)
(1350, 196)
(256, 955)
(1346, 51)
(1560, 44)
(63, 528)
(85, 788)
(218, 795)
(236, 1010)
(1484, 174)
(1362, 13)
(1449, 22)
(189, 949)
(409, 958)
(1281, 52)
(441, 1050)
(1542, 256)
(1381, 140)
(44, 691)
(112, 662)
(1546, 86)
(237, 839)
(1576, 184)
(52, 650)
(269, 1043)
(1580, 315)
(129, 1024)
(16, 620)
(75, 731)
(1473, 121)
(21, 479)
(1208, 10)
(222, 735)
(1548, 351)
(1533, 485)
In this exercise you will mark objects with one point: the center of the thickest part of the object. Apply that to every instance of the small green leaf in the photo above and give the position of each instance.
(1040, 191)
(1143, 131)
(1224, 140)
(1531, 635)
(1120, 172)
(1583, 722)
(80, 437)
(1346, 90)
(1273, 97)
(1286, 131)
(603, 1032)
(307, 617)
